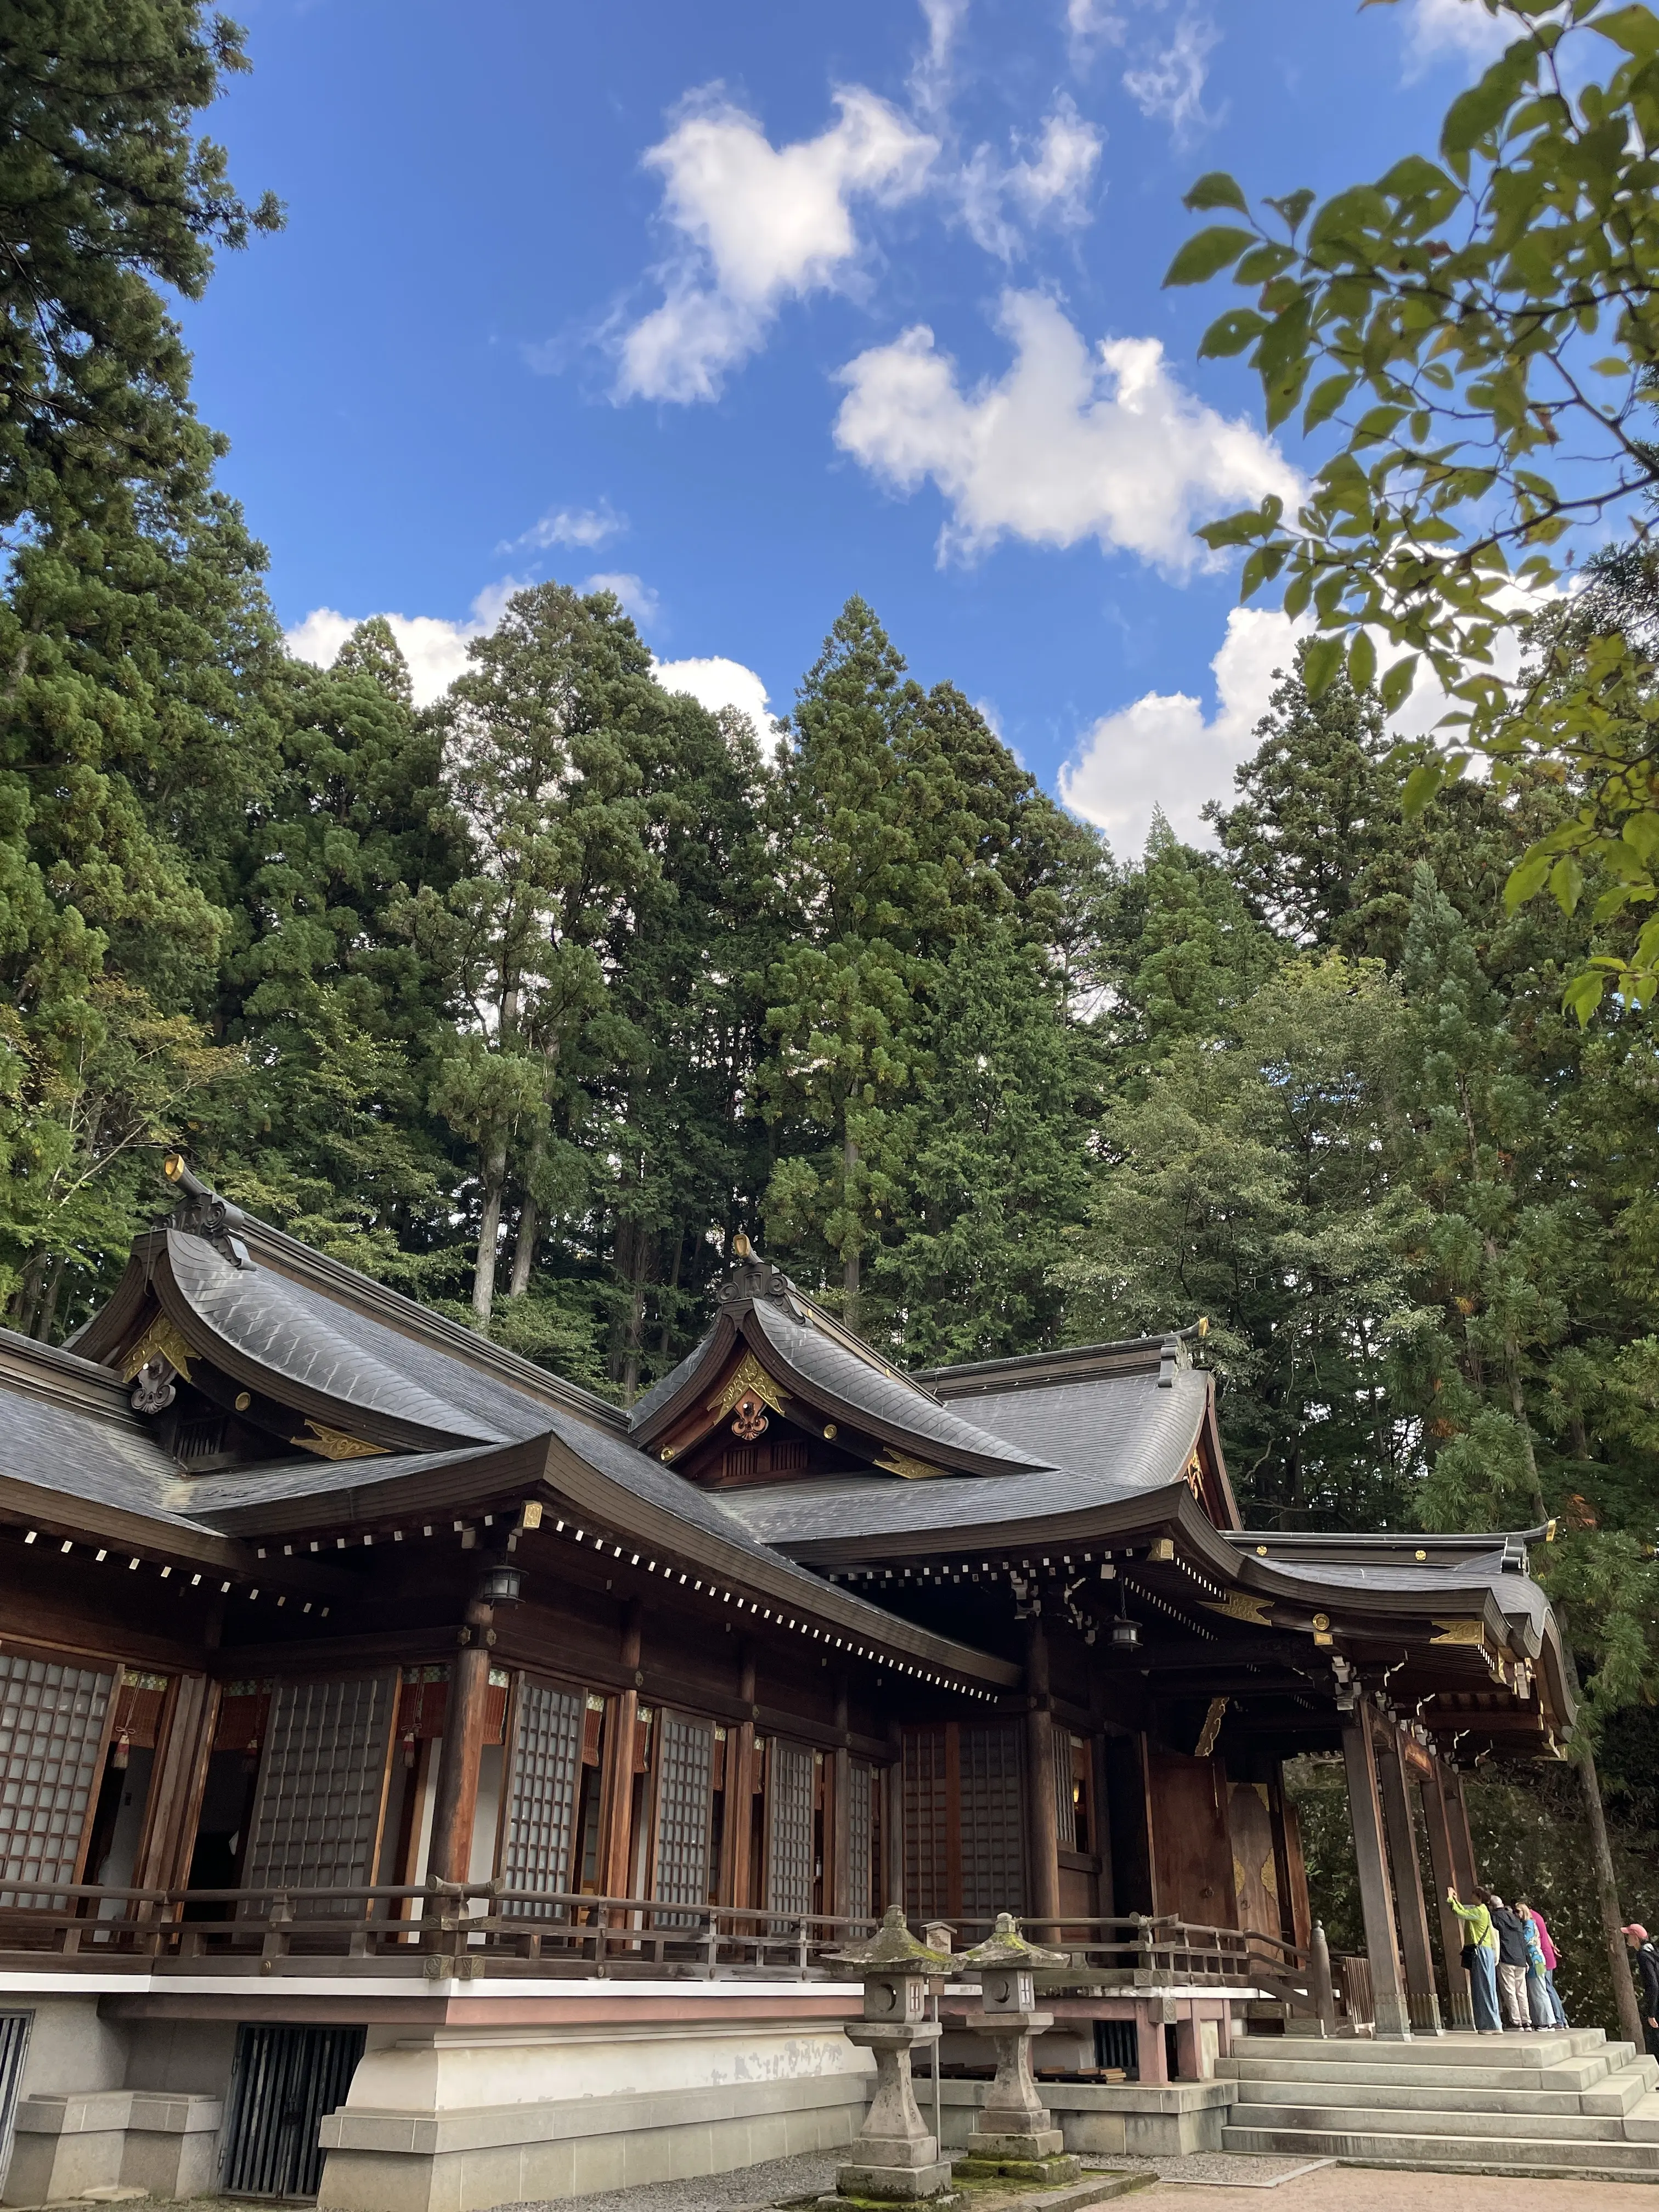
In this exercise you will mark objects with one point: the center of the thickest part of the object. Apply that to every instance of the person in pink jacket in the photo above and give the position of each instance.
(1546, 1978)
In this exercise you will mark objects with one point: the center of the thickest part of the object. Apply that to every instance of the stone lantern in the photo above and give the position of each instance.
(1012, 2137)
(895, 2159)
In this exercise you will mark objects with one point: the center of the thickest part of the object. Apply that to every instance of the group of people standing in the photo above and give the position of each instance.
(1509, 1959)
(1511, 1962)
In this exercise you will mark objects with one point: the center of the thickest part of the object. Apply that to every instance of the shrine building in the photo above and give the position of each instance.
(425, 1785)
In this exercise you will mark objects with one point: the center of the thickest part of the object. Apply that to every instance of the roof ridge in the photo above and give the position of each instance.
(49, 1371)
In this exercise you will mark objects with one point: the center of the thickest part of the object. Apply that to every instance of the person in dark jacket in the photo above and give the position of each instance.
(1511, 1965)
(1647, 1965)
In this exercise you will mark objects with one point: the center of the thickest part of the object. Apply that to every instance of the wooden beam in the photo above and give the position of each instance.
(1445, 1868)
(456, 1796)
(1042, 1825)
(1397, 1793)
(1376, 1899)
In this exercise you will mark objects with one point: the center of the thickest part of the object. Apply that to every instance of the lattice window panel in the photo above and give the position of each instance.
(51, 1731)
(1059, 1742)
(992, 1822)
(684, 1805)
(860, 1840)
(927, 1823)
(318, 1819)
(789, 1839)
(547, 1764)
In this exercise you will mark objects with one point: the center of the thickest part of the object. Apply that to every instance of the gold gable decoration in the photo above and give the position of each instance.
(1240, 1605)
(913, 1470)
(334, 1444)
(1461, 1631)
(161, 1337)
(749, 1379)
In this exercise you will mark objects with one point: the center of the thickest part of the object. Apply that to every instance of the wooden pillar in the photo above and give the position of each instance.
(739, 1788)
(1445, 1868)
(617, 1806)
(1042, 1825)
(1412, 1914)
(838, 1888)
(892, 1829)
(178, 1779)
(456, 1796)
(1375, 1900)
(1457, 1812)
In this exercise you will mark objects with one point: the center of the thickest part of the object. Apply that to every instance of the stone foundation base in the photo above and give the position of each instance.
(1051, 2173)
(1151, 2120)
(459, 2120)
(156, 2141)
(893, 2184)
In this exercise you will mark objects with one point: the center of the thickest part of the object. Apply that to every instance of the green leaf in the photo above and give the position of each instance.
(1641, 833)
(1635, 29)
(1230, 333)
(1421, 785)
(1527, 879)
(1479, 110)
(1583, 995)
(1319, 669)
(1325, 398)
(1216, 189)
(1566, 883)
(1208, 253)
(1396, 685)
(1361, 662)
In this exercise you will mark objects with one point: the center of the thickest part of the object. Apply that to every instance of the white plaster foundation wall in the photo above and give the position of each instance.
(463, 2119)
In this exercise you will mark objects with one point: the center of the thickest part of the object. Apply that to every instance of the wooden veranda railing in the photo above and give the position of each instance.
(463, 1930)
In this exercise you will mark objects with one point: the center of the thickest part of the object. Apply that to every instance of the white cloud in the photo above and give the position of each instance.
(1170, 85)
(1090, 24)
(637, 598)
(574, 526)
(758, 225)
(1460, 29)
(435, 649)
(1053, 184)
(717, 682)
(930, 80)
(1071, 444)
(1166, 749)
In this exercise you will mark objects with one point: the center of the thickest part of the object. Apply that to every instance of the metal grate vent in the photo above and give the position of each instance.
(546, 1767)
(322, 1787)
(286, 2081)
(52, 1731)
(14, 2051)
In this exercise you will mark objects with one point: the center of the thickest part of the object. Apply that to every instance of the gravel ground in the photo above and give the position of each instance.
(754, 2187)
(751, 2185)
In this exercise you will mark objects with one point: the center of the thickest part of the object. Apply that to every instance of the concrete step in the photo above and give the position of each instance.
(1576, 2075)
(1642, 2120)
(1470, 2153)
(1384, 2119)
(1417, 2097)
(1531, 2048)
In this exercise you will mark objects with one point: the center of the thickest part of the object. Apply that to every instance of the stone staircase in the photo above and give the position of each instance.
(1569, 2105)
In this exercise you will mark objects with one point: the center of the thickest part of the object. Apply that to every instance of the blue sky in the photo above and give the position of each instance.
(751, 307)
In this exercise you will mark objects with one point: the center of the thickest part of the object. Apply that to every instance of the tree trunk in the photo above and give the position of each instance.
(665, 1337)
(1607, 1882)
(849, 1302)
(524, 1247)
(493, 1165)
(48, 1316)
